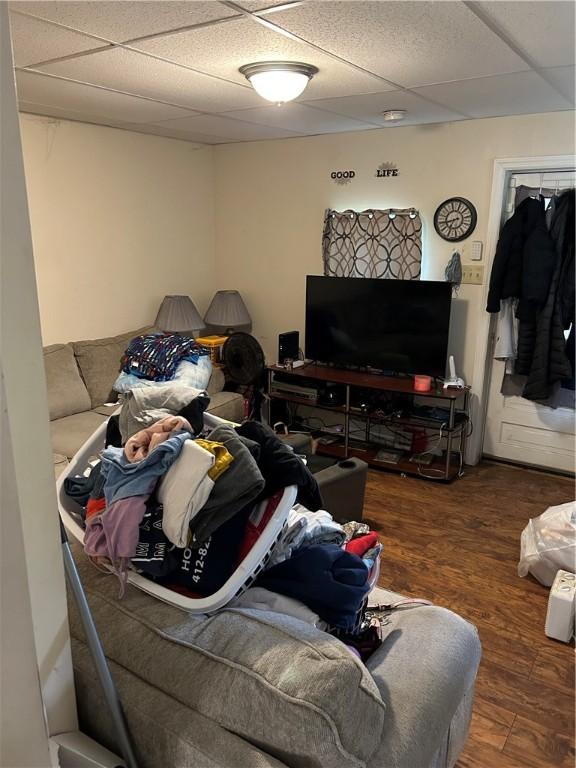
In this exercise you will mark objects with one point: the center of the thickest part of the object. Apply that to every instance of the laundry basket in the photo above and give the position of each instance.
(243, 576)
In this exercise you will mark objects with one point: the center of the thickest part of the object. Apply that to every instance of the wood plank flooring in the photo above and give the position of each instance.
(459, 545)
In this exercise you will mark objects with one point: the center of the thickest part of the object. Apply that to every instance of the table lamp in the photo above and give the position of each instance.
(227, 313)
(178, 314)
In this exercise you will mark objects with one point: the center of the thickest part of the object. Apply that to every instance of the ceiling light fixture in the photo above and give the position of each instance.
(278, 81)
(394, 115)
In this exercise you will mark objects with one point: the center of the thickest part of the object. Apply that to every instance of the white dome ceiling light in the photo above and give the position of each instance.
(278, 81)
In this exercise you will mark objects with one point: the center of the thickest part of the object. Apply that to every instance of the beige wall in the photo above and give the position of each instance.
(271, 198)
(36, 679)
(119, 219)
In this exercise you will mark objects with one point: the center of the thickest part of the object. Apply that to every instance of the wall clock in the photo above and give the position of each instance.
(455, 219)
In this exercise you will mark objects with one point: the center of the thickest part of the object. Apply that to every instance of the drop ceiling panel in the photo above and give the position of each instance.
(222, 49)
(126, 70)
(369, 107)
(544, 30)
(409, 43)
(259, 5)
(515, 94)
(233, 130)
(90, 101)
(120, 20)
(36, 41)
(200, 139)
(66, 114)
(564, 79)
(441, 49)
(300, 119)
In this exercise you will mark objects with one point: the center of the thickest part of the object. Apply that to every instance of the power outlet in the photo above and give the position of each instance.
(472, 274)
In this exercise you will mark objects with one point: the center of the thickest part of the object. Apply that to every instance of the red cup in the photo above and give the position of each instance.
(422, 383)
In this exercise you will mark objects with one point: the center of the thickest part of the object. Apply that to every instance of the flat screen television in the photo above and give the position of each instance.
(398, 326)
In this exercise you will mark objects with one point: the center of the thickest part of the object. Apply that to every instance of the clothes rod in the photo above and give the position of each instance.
(516, 180)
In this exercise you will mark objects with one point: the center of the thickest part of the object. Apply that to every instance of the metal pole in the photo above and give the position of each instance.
(347, 422)
(93, 640)
(449, 442)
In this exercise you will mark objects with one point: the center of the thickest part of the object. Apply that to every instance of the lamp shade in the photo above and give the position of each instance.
(228, 311)
(178, 313)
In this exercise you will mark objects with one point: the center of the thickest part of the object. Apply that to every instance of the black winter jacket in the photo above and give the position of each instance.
(524, 261)
(281, 467)
(541, 344)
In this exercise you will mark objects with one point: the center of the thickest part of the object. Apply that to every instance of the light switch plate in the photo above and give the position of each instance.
(476, 250)
(472, 274)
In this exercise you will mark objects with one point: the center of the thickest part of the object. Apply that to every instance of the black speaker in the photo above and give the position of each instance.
(288, 346)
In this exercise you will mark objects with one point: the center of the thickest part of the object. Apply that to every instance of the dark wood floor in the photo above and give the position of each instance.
(458, 545)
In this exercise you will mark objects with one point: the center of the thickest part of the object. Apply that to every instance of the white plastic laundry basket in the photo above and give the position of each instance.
(242, 577)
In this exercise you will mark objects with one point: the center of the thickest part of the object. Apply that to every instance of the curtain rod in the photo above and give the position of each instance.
(392, 212)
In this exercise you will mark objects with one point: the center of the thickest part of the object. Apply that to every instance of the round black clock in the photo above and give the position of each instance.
(455, 219)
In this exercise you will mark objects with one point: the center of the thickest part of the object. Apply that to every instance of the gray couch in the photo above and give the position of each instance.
(247, 688)
(253, 689)
(79, 377)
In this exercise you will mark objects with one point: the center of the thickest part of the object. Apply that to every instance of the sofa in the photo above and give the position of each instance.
(245, 688)
(256, 689)
(79, 378)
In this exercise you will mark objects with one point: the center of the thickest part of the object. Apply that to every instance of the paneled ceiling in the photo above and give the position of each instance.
(171, 68)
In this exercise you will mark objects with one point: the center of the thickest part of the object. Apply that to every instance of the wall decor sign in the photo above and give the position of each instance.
(385, 170)
(342, 177)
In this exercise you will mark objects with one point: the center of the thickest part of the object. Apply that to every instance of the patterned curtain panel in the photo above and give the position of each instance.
(372, 244)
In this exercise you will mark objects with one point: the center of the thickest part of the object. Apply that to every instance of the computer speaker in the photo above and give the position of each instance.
(288, 346)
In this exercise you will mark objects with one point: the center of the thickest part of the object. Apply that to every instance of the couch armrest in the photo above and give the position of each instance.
(425, 669)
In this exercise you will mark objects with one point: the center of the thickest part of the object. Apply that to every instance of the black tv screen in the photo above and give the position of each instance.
(398, 326)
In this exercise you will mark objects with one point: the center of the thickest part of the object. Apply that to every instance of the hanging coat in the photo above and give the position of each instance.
(524, 261)
(550, 363)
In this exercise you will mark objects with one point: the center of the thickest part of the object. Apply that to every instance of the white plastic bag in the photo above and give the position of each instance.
(548, 544)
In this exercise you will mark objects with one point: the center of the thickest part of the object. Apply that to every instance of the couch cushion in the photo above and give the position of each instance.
(67, 393)
(227, 405)
(70, 433)
(278, 682)
(99, 363)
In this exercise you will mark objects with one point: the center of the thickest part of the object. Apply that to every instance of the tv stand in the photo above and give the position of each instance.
(444, 432)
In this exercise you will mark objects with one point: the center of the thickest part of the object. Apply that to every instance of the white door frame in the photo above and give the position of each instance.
(483, 358)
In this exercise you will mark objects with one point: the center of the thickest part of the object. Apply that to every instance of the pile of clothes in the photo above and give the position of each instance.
(154, 358)
(184, 505)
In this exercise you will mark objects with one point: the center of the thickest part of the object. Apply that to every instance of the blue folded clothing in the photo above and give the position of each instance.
(125, 478)
(156, 356)
(326, 578)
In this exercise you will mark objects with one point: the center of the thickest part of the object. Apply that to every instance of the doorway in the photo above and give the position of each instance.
(517, 429)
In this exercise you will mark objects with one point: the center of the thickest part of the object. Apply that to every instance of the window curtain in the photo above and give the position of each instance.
(372, 243)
